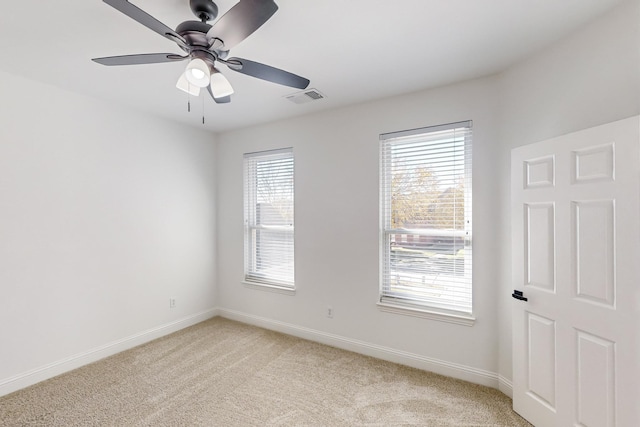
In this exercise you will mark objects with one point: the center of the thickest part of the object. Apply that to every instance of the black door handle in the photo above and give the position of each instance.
(518, 295)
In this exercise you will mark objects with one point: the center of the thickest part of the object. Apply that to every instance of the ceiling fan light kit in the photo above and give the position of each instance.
(206, 44)
(198, 73)
(184, 85)
(220, 86)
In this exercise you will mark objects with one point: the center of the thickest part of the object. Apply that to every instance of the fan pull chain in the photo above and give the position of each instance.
(203, 110)
(189, 97)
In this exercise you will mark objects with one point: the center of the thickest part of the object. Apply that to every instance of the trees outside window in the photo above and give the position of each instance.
(426, 218)
(269, 218)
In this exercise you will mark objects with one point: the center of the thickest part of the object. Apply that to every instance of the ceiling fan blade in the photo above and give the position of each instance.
(144, 58)
(266, 72)
(145, 19)
(223, 100)
(241, 21)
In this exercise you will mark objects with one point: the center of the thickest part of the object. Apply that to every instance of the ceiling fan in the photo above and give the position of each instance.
(205, 44)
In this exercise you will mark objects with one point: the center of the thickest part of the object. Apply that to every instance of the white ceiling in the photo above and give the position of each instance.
(351, 50)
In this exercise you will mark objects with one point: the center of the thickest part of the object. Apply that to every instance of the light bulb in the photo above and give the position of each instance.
(198, 73)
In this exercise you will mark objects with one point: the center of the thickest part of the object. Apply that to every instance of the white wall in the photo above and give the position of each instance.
(336, 219)
(590, 78)
(105, 214)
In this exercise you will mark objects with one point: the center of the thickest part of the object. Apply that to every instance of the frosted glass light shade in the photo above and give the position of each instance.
(198, 73)
(184, 85)
(220, 86)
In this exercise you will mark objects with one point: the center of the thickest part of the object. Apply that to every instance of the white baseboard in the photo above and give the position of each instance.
(17, 382)
(441, 367)
(505, 386)
(454, 370)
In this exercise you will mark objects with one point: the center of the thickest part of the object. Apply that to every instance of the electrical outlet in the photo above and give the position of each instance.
(172, 303)
(330, 312)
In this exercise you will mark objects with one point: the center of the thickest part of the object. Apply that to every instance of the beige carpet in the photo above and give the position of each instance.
(224, 373)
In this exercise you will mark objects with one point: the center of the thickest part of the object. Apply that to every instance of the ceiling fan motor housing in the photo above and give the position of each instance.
(207, 56)
(195, 33)
(205, 10)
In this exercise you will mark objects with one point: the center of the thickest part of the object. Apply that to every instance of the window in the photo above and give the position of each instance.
(425, 218)
(268, 218)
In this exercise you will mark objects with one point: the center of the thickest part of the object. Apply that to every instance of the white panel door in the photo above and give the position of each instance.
(575, 204)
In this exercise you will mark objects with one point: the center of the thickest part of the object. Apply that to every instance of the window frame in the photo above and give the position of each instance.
(406, 302)
(252, 277)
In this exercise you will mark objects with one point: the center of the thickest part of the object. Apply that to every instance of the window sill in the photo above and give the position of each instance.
(425, 313)
(284, 290)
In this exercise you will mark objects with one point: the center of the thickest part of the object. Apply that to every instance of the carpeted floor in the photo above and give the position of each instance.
(224, 373)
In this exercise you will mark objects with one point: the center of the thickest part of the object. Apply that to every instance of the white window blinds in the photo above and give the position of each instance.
(426, 218)
(268, 218)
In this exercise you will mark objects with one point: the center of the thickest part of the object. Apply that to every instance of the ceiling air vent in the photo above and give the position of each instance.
(305, 96)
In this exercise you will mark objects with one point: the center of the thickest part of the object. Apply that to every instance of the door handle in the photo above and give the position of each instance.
(518, 295)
